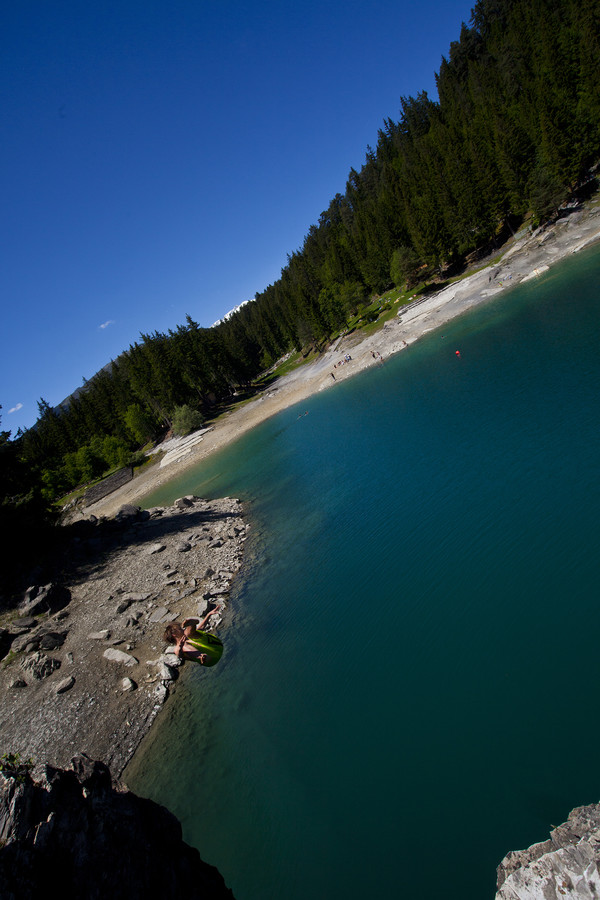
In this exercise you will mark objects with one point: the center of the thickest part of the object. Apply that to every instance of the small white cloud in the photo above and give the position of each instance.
(107, 323)
(16, 408)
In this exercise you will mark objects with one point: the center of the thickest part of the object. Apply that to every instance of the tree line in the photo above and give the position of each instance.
(515, 131)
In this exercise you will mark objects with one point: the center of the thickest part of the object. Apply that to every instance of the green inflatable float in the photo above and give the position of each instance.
(209, 644)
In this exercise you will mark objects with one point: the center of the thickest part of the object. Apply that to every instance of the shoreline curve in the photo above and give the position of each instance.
(524, 259)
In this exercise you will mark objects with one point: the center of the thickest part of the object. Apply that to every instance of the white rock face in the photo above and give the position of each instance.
(566, 866)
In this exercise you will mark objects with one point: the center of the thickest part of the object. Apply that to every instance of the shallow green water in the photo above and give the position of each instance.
(409, 689)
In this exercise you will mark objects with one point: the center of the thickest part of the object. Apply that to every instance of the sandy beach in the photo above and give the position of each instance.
(525, 257)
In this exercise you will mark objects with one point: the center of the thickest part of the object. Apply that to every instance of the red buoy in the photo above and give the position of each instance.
(458, 352)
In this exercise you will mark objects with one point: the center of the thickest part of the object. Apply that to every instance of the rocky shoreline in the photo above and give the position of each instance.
(566, 865)
(79, 833)
(85, 669)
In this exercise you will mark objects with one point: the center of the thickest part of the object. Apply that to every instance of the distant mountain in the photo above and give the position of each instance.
(64, 404)
(231, 313)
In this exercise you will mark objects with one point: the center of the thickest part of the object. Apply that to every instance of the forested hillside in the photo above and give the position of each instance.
(515, 132)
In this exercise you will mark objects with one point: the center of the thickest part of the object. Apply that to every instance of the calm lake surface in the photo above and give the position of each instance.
(410, 686)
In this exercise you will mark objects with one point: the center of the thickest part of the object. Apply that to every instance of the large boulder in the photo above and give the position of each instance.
(77, 833)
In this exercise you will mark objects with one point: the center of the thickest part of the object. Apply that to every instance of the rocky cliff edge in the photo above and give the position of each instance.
(565, 866)
(80, 834)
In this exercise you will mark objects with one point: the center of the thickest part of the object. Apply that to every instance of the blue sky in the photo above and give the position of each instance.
(163, 158)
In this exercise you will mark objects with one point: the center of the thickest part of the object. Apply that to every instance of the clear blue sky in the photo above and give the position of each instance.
(163, 158)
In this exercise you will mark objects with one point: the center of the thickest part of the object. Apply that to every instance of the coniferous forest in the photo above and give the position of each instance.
(516, 131)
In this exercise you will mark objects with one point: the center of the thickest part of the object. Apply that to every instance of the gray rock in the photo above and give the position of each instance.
(65, 685)
(51, 640)
(40, 665)
(128, 684)
(160, 615)
(47, 599)
(169, 659)
(155, 548)
(18, 683)
(161, 692)
(184, 502)
(14, 631)
(202, 607)
(24, 642)
(137, 598)
(119, 656)
(99, 635)
(128, 513)
(167, 673)
(31, 593)
(186, 593)
(27, 622)
(183, 547)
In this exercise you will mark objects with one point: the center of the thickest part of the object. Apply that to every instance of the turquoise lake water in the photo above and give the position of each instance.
(410, 686)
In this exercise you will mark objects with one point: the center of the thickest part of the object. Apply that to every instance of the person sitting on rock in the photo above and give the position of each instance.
(193, 643)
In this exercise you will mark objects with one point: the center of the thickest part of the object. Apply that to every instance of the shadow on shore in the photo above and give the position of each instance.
(65, 554)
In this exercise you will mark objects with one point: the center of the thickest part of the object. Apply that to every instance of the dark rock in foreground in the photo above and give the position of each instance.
(80, 834)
